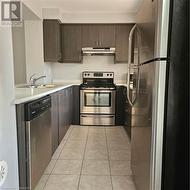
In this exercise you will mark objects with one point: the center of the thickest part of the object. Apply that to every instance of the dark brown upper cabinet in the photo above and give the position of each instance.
(106, 35)
(71, 35)
(122, 42)
(98, 35)
(90, 35)
(52, 40)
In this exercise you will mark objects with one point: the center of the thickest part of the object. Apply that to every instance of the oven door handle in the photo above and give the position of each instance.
(99, 91)
(105, 116)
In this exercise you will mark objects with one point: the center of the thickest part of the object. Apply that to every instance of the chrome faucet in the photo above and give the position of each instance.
(33, 79)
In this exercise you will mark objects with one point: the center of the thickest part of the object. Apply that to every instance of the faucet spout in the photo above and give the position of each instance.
(33, 79)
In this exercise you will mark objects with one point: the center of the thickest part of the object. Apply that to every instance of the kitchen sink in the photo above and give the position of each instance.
(38, 86)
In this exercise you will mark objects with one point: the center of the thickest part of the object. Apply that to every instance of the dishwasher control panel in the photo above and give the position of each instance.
(37, 107)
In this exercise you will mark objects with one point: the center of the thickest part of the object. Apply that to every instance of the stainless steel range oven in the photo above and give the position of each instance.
(97, 99)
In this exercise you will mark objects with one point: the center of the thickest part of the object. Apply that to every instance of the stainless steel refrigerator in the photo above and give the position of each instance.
(158, 44)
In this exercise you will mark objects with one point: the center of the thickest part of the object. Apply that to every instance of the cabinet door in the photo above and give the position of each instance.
(55, 120)
(71, 43)
(90, 35)
(120, 106)
(62, 115)
(52, 40)
(76, 105)
(122, 41)
(70, 105)
(128, 112)
(106, 35)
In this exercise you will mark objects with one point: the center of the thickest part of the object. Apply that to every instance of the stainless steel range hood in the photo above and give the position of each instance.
(98, 51)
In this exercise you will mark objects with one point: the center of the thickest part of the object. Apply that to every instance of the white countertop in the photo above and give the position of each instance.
(28, 94)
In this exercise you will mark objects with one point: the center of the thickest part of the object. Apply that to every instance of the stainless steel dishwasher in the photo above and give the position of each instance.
(38, 138)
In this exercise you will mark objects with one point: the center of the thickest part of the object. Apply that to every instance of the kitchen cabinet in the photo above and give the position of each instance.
(62, 114)
(52, 40)
(120, 106)
(65, 111)
(90, 35)
(55, 120)
(123, 109)
(127, 113)
(71, 43)
(98, 35)
(76, 105)
(122, 42)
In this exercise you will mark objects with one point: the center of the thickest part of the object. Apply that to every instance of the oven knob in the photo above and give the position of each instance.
(88, 74)
(110, 74)
(107, 74)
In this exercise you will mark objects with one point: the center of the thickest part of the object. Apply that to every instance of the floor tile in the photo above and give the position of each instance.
(78, 135)
(118, 145)
(42, 182)
(97, 136)
(67, 167)
(115, 137)
(120, 168)
(95, 167)
(97, 154)
(97, 130)
(80, 130)
(73, 154)
(95, 183)
(120, 155)
(62, 182)
(75, 144)
(123, 183)
(96, 145)
(50, 167)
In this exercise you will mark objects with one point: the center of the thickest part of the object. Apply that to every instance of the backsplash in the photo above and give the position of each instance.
(71, 73)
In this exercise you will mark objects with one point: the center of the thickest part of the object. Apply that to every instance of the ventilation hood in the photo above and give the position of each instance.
(98, 51)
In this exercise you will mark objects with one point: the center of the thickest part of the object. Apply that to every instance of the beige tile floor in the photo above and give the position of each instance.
(90, 158)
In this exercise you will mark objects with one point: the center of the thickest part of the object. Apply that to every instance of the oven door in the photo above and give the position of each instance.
(97, 101)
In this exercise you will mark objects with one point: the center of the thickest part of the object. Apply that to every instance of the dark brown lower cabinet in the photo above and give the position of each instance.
(55, 120)
(127, 113)
(123, 109)
(62, 115)
(65, 101)
(76, 105)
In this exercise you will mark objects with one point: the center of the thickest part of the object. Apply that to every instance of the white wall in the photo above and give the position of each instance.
(8, 136)
(72, 72)
(34, 50)
(18, 34)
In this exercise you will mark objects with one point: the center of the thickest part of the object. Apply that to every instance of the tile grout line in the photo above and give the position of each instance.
(83, 160)
(57, 158)
(108, 159)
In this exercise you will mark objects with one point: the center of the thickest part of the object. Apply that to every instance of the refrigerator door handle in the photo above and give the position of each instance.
(132, 102)
(129, 63)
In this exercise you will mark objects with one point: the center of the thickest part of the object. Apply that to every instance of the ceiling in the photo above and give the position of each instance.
(91, 6)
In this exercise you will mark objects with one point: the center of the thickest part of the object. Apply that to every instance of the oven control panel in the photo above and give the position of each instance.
(88, 74)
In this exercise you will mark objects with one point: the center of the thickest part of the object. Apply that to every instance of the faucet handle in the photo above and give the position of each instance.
(32, 76)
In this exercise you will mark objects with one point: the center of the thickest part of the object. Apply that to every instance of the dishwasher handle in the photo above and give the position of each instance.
(36, 108)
